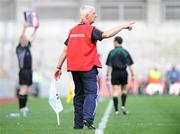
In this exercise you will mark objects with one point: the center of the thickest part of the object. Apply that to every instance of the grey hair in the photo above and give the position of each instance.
(85, 10)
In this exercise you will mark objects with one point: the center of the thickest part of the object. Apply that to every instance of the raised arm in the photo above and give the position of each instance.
(62, 58)
(116, 30)
(24, 30)
(33, 35)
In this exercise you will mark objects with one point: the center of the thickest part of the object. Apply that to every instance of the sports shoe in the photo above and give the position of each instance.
(124, 111)
(88, 125)
(24, 111)
(116, 112)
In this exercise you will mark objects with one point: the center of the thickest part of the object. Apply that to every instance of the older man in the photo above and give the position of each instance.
(83, 61)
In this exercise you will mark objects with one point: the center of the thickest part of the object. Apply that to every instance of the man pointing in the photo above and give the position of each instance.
(80, 50)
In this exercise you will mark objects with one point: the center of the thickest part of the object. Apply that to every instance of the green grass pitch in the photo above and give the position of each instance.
(147, 115)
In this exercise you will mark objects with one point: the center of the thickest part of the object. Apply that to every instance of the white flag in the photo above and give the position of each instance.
(54, 99)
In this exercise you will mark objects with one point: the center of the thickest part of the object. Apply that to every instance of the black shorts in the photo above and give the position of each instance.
(119, 77)
(25, 77)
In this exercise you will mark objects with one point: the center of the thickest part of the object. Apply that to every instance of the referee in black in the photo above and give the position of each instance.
(25, 69)
(118, 60)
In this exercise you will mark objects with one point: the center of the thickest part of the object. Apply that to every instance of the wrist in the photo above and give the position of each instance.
(58, 68)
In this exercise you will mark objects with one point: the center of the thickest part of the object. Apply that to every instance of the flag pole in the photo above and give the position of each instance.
(57, 115)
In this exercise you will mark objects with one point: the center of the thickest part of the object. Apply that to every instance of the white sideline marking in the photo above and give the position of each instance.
(104, 120)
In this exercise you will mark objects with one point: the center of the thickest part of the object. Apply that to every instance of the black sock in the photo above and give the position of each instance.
(25, 100)
(123, 99)
(115, 100)
(22, 101)
(20, 98)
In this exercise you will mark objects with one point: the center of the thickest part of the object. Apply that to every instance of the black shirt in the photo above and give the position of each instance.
(96, 35)
(24, 56)
(119, 58)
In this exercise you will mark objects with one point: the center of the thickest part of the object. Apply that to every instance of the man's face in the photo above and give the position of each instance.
(91, 17)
